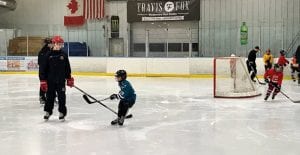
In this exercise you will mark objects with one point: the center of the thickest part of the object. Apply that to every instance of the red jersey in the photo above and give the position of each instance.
(275, 77)
(282, 61)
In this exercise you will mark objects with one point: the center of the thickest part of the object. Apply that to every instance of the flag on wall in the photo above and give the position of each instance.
(79, 10)
(93, 9)
(74, 13)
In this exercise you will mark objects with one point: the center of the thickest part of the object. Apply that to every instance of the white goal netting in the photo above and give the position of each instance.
(231, 78)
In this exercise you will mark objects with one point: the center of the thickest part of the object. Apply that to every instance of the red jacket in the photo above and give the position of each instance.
(282, 61)
(275, 77)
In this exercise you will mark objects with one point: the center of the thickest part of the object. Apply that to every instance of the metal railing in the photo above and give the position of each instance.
(293, 43)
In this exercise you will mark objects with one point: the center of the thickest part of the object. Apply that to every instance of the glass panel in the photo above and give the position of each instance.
(175, 47)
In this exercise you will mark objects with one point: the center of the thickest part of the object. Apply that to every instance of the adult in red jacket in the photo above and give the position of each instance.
(274, 78)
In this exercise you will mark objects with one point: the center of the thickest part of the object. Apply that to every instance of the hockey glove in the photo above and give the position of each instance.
(113, 96)
(278, 87)
(44, 85)
(275, 85)
(70, 82)
(267, 80)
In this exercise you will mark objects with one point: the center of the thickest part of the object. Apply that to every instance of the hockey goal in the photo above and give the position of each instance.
(231, 78)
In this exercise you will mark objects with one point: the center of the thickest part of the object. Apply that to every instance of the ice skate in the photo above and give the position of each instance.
(273, 97)
(47, 116)
(61, 117)
(266, 98)
(114, 122)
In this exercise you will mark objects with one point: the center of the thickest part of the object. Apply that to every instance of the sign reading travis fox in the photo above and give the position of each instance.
(162, 10)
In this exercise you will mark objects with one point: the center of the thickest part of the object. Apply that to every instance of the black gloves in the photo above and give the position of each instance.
(267, 80)
(114, 96)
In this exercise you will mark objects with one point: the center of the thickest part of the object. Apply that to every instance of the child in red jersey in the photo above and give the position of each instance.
(274, 78)
(282, 61)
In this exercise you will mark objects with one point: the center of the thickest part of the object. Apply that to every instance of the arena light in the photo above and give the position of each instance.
(10, 4)
(3, 3)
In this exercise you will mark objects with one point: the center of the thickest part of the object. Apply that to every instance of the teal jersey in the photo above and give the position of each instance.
(127, 92)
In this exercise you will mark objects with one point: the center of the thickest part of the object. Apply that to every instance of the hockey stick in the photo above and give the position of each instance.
(91, 102)
(128, 116)
(262, 83)
(284, 94)
(85, 97)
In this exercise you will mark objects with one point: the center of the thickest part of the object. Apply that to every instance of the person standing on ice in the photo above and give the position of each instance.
(126, 95)
(251, 64)
(268, 60)
(41, 61)
(53, 76)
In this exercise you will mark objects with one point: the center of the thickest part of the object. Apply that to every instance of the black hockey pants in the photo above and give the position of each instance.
(123, 107)
(60, 90)
(252, 67)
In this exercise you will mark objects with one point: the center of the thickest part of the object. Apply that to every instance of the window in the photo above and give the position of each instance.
(139, 47)
(174, 47)
(114, 26)
(195, 47)
(156, 47)
(185, 47)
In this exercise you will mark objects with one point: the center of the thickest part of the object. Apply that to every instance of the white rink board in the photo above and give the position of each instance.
(186, 66)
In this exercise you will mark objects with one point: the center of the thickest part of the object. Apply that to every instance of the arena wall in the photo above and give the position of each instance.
(178, 67)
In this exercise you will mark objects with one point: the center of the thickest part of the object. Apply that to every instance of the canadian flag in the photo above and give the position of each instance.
(74, 13)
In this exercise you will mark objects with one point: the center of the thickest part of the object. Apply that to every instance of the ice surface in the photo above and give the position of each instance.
(172, 116)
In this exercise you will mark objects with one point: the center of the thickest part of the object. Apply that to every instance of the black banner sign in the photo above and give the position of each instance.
(162, 10)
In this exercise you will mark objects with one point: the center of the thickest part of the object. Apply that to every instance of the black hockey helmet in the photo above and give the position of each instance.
(282, 52)
(122, 74)
(47, 41)
(278, 68)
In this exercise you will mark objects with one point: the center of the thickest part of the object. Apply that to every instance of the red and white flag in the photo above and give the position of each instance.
(74, 13)
(93, 9)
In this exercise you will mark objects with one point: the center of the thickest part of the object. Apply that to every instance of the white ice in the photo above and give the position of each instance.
(172, 116)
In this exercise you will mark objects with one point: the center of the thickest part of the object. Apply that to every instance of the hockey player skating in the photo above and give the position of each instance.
(274, 78)
(126, 96)
(53, 77)
(282, 61)
(41, 62)
(268, 60)
(251, 64)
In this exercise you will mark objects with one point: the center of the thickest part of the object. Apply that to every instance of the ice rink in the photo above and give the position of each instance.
(172, 116)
